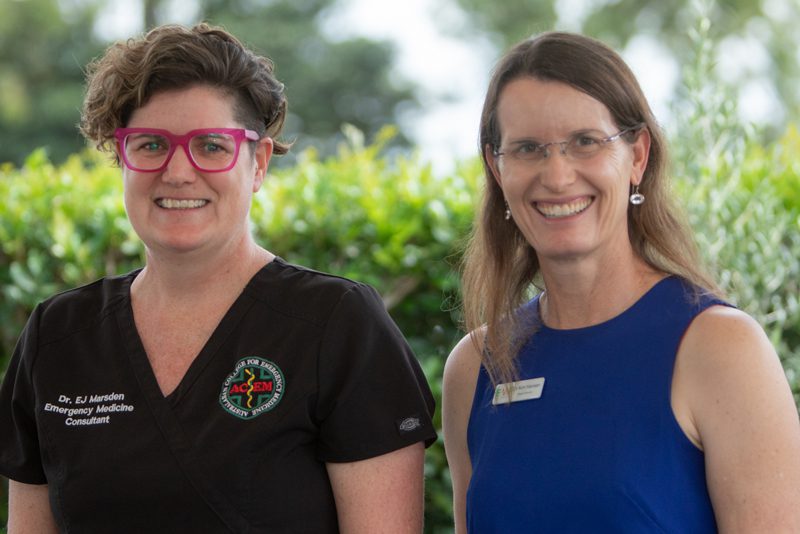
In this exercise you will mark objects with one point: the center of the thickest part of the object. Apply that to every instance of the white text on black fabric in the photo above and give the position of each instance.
(90, 409)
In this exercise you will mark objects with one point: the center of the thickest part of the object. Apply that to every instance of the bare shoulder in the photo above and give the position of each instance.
(726, 358)
(725, 317)
(466, 352)
(462, 366)
(458, 390)
(730, 385)
(726, 370)
(726, 340)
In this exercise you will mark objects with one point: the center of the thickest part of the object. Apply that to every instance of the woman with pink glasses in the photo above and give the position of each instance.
(219, 388)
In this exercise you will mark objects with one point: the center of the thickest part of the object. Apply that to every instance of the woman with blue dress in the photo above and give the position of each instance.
(627, 395)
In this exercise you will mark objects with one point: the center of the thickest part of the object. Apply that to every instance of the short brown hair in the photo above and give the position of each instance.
(173, 57)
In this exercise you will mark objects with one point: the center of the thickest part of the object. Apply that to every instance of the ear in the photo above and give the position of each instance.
(262, 156)
(491, 159)
(641, 154)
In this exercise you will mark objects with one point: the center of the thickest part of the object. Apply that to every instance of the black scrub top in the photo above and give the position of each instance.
(305, 368)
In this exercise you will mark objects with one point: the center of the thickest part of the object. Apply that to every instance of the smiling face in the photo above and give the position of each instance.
(181, 209)
(567, 208)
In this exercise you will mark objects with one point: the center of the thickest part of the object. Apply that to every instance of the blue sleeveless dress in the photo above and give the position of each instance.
(600, 451)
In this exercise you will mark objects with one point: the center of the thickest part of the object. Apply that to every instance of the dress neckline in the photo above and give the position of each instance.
(641, 301)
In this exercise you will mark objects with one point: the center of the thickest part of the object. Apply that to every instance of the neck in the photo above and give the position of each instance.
(584, 293)
(192, 277)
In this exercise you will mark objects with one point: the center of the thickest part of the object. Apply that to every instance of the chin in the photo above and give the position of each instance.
(564, 252)
(177, 245)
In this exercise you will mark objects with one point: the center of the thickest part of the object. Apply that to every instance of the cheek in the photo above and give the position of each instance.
(620, 164)
(616, 174)
(134, 192)
(232, 190)
(128, 190)
(511, 184)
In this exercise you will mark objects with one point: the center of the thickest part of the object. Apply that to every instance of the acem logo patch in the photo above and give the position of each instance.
(254, 387)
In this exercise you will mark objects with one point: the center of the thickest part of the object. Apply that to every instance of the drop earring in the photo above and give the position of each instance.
(507, 214)
(636, 197)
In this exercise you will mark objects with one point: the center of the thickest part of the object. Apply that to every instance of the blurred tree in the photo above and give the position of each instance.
(328, 81)
(748, 30)
(151, 8)
(44, 45)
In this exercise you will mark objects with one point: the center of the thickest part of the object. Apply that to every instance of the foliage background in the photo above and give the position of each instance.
(330, 80)
(392, 223)
(337, 71)
(363, 211)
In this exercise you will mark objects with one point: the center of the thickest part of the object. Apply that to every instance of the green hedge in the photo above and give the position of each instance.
(385, 221)
(745, 209)
(391, 222)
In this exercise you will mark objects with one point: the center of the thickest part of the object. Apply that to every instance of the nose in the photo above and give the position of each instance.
(562, 146)
(556, 173)
(179, 169)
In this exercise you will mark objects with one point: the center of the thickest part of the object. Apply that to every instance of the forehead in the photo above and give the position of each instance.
(529, 106)
(180, 110)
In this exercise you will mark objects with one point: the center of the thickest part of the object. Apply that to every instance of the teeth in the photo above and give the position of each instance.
(174, 204)
(563, 210)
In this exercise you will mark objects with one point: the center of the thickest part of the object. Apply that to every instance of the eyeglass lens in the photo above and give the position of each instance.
(577, 146)
(209, 151)
(580, 145)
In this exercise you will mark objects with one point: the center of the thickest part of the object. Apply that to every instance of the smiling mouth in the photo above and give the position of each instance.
(176, 204)
(555, 211)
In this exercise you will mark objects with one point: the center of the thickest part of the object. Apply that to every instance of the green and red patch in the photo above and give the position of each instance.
(254, 387)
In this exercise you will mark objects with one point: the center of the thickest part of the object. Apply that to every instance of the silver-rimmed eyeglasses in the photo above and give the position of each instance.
(208, 149)
(580, 145)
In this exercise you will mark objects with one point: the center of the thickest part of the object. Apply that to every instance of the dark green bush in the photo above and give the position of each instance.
(394, 224)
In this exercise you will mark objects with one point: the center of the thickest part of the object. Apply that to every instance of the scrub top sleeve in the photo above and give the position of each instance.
(373, 396)
(20, 457)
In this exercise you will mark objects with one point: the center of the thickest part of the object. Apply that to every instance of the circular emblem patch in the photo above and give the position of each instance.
(254, 387)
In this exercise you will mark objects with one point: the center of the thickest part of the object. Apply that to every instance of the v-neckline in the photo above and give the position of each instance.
(138, 355)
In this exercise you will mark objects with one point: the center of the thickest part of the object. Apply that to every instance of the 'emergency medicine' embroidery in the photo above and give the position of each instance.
(89, 410)
(254, 387)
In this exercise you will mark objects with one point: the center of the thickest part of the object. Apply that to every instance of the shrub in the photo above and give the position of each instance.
(391, 223)
(743, 202)
(745, 209)
(59, 227)
(385, 221)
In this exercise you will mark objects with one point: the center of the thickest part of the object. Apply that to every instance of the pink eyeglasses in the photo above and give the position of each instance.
(208, 149)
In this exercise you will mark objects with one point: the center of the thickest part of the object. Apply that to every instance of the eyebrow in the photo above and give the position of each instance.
(579, 131)
(146, 134)
(524, 141)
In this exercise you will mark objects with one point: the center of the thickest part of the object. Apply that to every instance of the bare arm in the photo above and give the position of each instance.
(381, 495)
(29, 509)
(458, 390)
(742, 414)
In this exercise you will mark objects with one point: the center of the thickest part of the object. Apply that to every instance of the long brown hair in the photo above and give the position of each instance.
(500, 267)
(174, 57)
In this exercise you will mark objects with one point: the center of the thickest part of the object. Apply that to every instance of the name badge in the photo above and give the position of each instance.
(518, 391)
